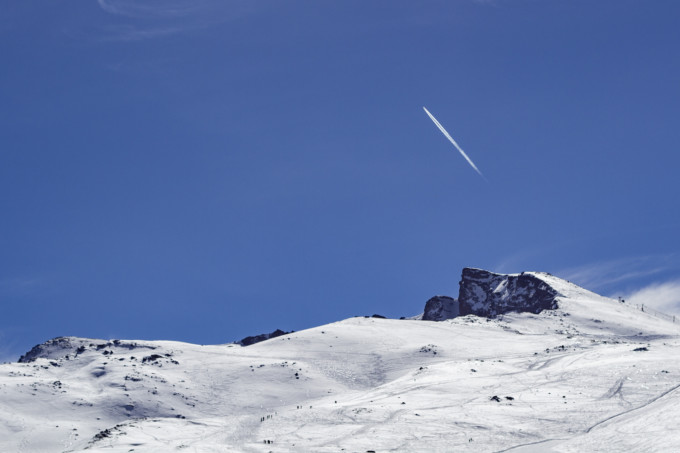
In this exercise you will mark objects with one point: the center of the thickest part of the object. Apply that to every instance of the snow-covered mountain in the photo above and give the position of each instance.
(585, 373)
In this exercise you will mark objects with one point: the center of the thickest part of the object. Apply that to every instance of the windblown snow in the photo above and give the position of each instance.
(593, 374)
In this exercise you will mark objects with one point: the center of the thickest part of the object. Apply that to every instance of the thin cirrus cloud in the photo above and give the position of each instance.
(661, 295)
(130, 33)
(158, 18)
(600, 275)
(7, 352)
(168, 8)
(664, 296)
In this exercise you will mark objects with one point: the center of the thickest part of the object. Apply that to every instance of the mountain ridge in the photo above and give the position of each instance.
(592, 372)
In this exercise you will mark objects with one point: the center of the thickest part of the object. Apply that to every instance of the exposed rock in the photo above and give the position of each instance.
(59, 345)
(65, 347)
(151, 358)
(440, 308)
(247, 341)
(487, 294)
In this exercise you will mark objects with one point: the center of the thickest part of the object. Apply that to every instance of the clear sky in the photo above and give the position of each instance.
(203, 170)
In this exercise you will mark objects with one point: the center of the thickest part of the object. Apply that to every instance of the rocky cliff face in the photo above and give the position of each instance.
(440, 308)
(485, 293)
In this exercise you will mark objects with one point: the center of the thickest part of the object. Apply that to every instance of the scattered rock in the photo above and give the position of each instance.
(152, 358)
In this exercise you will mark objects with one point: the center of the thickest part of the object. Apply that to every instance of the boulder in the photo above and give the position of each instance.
(439, 308)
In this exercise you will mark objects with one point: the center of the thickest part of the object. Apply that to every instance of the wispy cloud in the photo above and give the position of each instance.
(132, 33)
(601, 274)
(158, 18)
(525, 258)
(7, 352)
(6, 356)
(664, 296)
(151, 8)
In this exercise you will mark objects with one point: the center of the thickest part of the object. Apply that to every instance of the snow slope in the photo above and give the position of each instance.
(594, 375)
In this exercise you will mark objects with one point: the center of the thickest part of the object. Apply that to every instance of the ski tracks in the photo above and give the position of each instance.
(642, 406)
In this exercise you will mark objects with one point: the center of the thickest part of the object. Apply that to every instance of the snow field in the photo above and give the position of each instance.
(594, 375)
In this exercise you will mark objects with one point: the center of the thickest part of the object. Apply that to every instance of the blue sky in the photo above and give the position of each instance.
(205, 170)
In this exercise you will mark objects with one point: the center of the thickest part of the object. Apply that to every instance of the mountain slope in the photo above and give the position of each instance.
(593, 373)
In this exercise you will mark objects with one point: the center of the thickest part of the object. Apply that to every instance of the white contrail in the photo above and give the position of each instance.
(446, 134)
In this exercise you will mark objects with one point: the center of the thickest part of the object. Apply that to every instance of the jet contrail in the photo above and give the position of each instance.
(446, 134)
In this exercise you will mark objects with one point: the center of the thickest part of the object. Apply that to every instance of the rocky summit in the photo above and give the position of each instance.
(591, 374)
(488, 294)
(485, 293)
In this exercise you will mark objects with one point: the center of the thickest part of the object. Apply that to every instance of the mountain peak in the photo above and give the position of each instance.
(577, 370)
(489, 294)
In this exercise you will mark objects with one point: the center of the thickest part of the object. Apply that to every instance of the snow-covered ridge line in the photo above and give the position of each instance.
(567, 377)
(489, 294)
(482, 293)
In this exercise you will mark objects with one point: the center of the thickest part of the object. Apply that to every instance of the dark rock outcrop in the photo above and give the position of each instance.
(65, 347)
(247, 341)
(485, 293)
(488, 294)
(439, 308)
